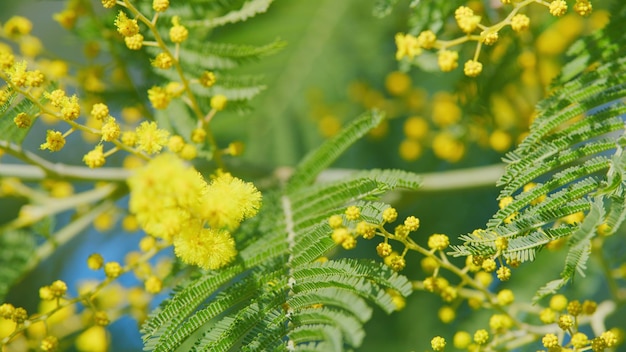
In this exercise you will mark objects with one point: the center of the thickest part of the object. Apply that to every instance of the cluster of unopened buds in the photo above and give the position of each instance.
(350, 226)
(561, 317)
(58, 318)
(410, 46)
(143, 140)
(561, 320)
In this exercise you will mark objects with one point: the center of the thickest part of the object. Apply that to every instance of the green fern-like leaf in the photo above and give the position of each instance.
(318, 160)
(574, 154)
(16, 250)
(277, 295)
(249, 9)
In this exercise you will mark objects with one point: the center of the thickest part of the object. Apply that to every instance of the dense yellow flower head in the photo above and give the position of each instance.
(22, 120)
(178, 32)
(17, 26)
(448, 60)
(229, 200)
(427, 39)
(70, 109)
(218, 102)
(472, 68)
(110, 130)
(207, 79)
(438, 343)
(171, 200)
(160, 5)
(107, 4)
(558, 8)
(466, 19)
(126, 26)
(208, 248)
(159, 97)
(134, 42)
(520, 22)
(54, 141)
(163, 61)
(150, 138)
(407, 45)
(163, 193)
(95, 158)
(583, 7)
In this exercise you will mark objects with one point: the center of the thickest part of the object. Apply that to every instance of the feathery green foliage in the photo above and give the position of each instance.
(277, 295)
(16, 250)
(574, 154)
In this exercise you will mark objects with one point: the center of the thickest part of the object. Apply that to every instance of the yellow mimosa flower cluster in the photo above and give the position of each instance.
(172, 201)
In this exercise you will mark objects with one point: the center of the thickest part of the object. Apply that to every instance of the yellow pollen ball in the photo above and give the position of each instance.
(178, 33)
(54, 141)
(126, 26)
(150, 138)
(397, 83)
(160, 5)
(448, 60)
(410, 150)
(95, 158)
(218, 102)
(415, 127)
(209, 249)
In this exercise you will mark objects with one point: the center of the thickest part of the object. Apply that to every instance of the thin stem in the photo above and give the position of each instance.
(41, 168)
(74, 125)
(606, 269)
(34, 212)
(483, 176)
(67, 233)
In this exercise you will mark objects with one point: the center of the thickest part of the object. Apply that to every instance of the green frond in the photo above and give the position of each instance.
(361, 185)
(370, 211)
(214, 13)
(219, 56)
(337, 196)
(549, 288)
(563, 107)
(316, 161)
(268, 336)
(230, 330)
(602, 44)
(431, 14)
(275, 296)
(222, 302)
(345, 300)
(196, 57)
(16, 250)
(312, 245)
(616, 205)
(320, 337)
(574, 155)
(163, 321)
(383, 8)
(7, 105)
(350, 327)
(249, 9)
(233, 87)
(553, 201)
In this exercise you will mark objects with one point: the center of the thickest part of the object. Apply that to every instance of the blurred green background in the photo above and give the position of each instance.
(331, 46)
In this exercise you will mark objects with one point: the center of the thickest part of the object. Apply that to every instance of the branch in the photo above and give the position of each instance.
(41, 168)
(483, 176)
